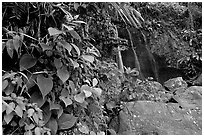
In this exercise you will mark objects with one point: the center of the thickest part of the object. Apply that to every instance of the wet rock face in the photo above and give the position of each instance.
(145, 58)
(151, 65)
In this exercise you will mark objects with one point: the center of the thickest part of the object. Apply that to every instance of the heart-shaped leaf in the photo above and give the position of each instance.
(57, 62)
(45, 84)
(8, 117)
(66, 121)
(54, 31)
(97, 91)
(36, 97)
(80, 97)
(52, 125)
(88, 58)
(10, 108)
(27, 61)
(94, 82)
(63, 74)
(45, 46)
(67, 101)
(76, 48)
(19, 111)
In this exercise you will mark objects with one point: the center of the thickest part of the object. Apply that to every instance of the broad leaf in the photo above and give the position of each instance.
(27, 61)
(3, 107)
(30, 112)
(45, 46)
(87, 90)
(57, 63)
(10, 47)
(16, 42)
(54, 31)
(75, 34)
(67, 46)
(37, 131)
(8, 117)
(54, 106)
(10, 108)
(76, 48)
(4, 84)
(94, 82)
(76, 5)
(21, 104)
(80, 97)
(9, 89)
(36, 97)
(52, 125)
(19, 111)
(63, 74)
(67, 101)
(97, 91)
(65, 92)
(45, 84)
(46, 112)
(88, 58)
(59, 112)
(66, 121)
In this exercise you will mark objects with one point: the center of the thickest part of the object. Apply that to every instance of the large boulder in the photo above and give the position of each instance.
(156, 118)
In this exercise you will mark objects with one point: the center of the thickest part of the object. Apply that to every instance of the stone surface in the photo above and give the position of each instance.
(175, 83)
(155, 118)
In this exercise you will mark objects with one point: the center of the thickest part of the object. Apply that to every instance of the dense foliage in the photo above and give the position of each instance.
(55, 80)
